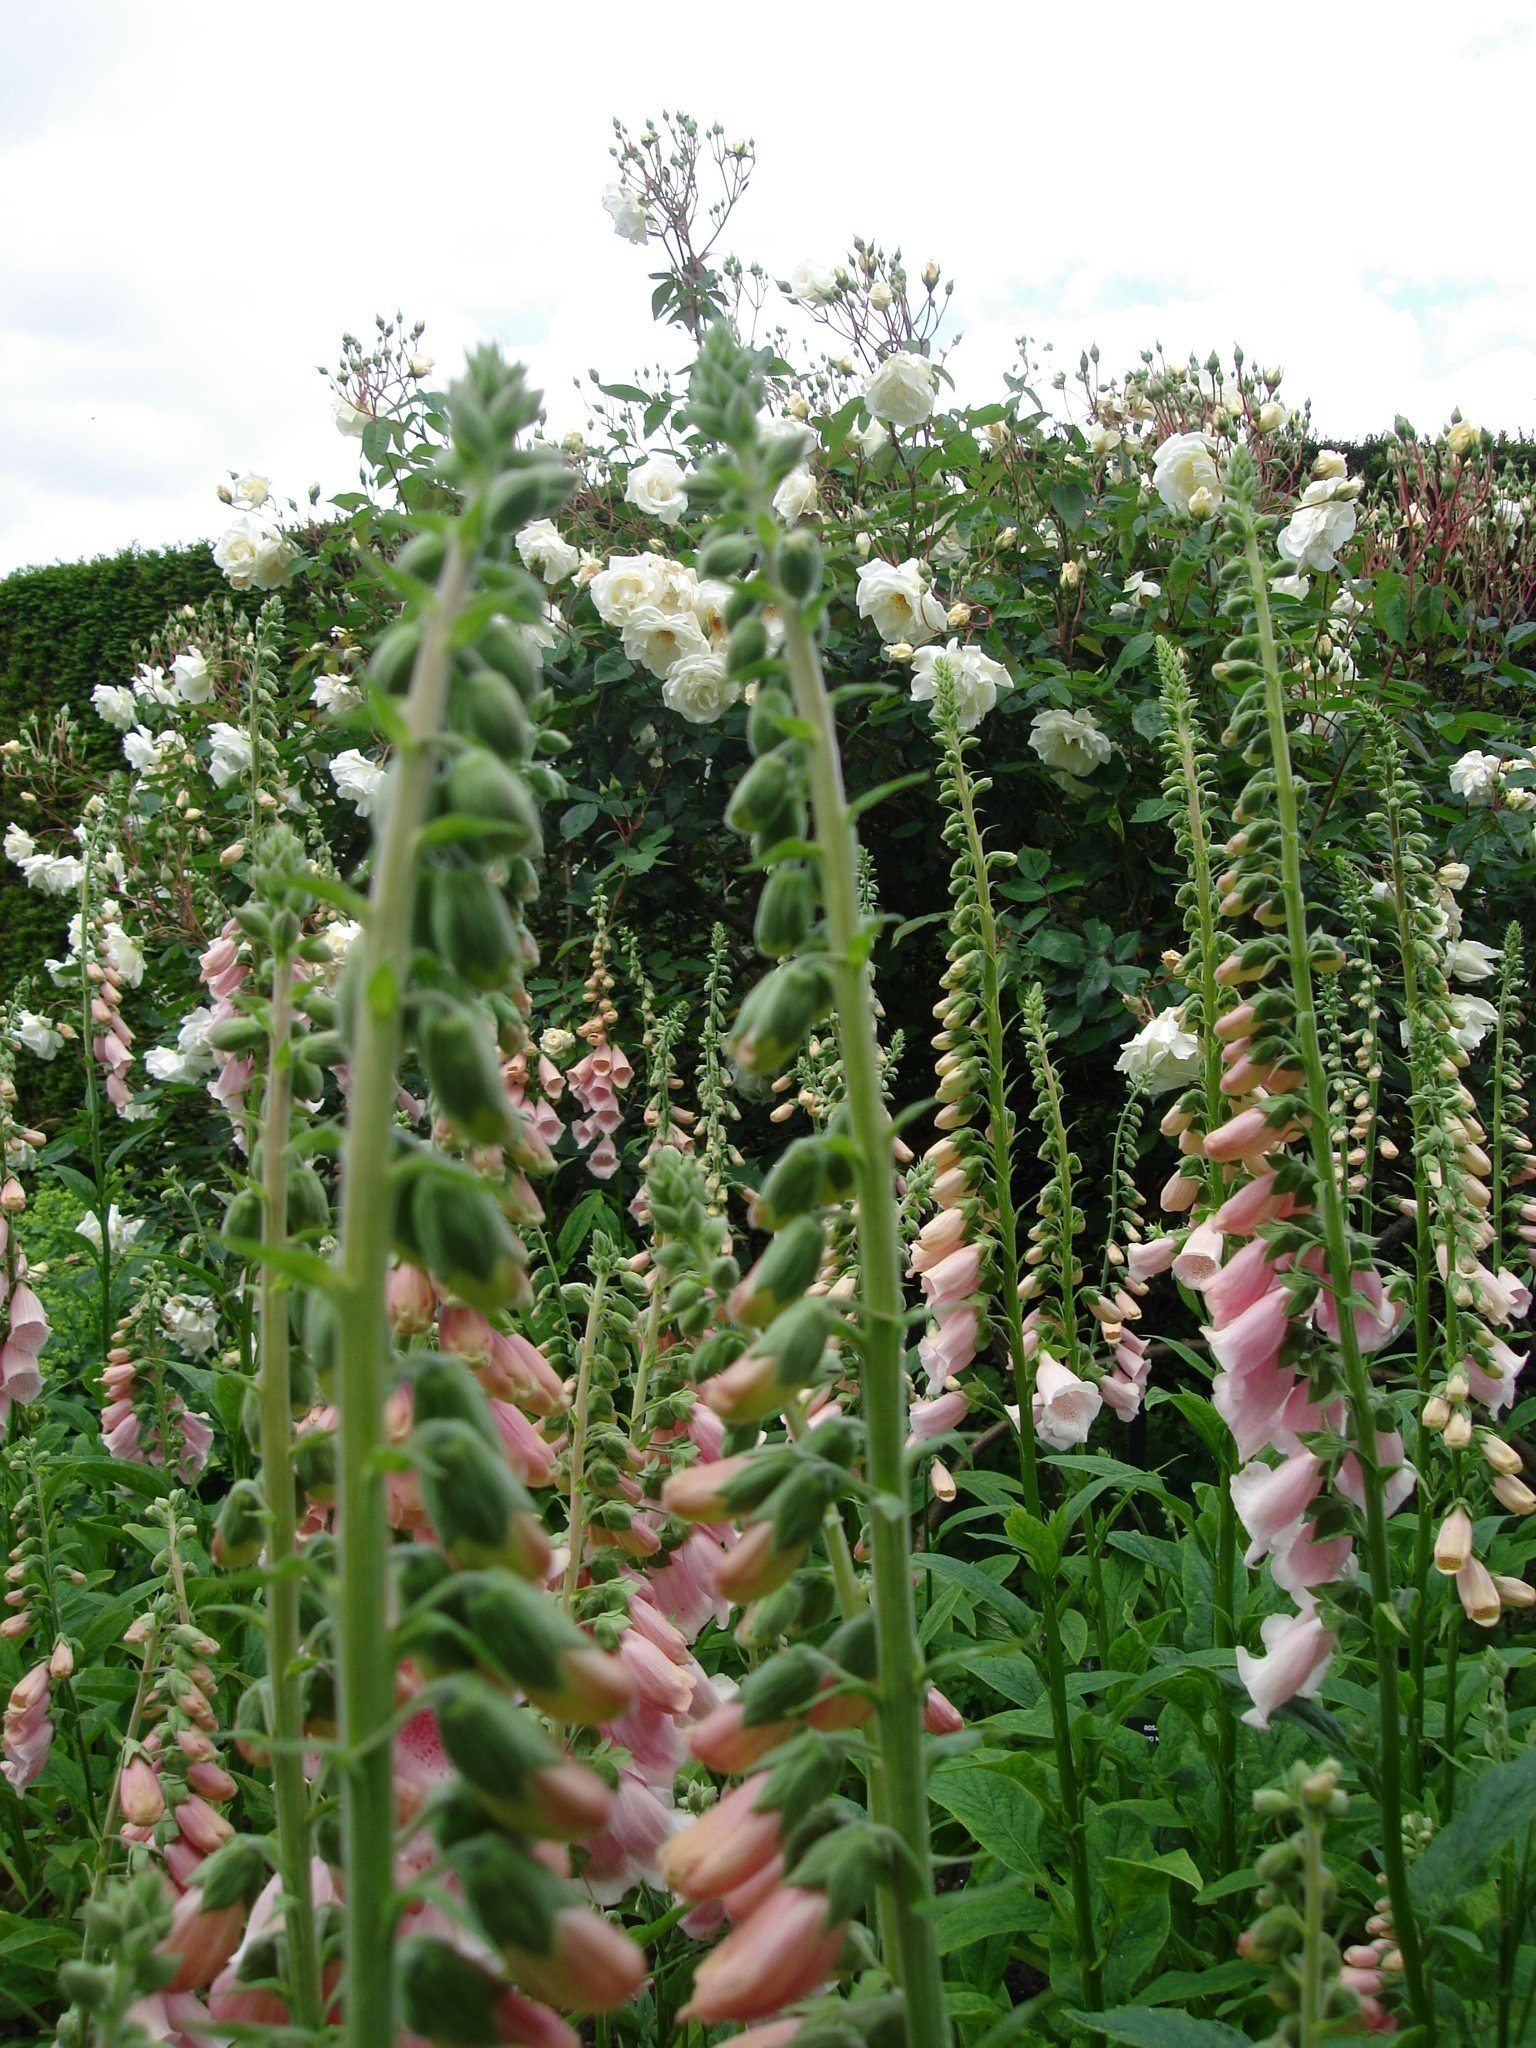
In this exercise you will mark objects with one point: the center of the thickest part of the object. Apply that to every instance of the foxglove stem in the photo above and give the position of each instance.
(576, 1520)
(282, 1610)
(1000, 1138)
(1314, 1893)
(1341, 1279)
(365, 1664)
(93, 1108)
(902, 1685)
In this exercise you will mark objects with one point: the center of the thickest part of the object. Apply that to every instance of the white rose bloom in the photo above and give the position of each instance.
(545, 553)
(350, 419)
(54, 874)
(236, 552)
(1319, 527)
(357, 779)
(1185, 476)
(1330, 465)
(903, 390)
(777, 426)
(121, 1230)
(658, 486)
(627, 212)
(710, 598)
(253, 491)
(698, 689)
(1162, 1054)
(974, 677)
(899, 601)
(1475, 778)
(813, 284)
(1472, 1018)
(540, 634)
(192, 677)
(150, 684)
(557, 1043)
(677, 588)
(1070, 741)
(115, 703)
(1102, 440)
(37, 1034)
(274, 561)
(659, 640)
(1462, 437)
(1290, 586)
(167, 1066)
(231, 753)
(796, 497)
(193, 1321)
(1471, 960)
(141, 749)
(421, 366)
(334, 694)
(19, 845)
(629, 584)
(1508, 513)
(341, 935)
(869, 440)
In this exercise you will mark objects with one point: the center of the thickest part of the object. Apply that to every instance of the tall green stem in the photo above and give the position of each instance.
(1341, 1278)
(365, 1664)
(1000, 1139)
(576, 1531)
(902, 1685)
(1314, 1886)
(282, 1611)
(93, 1113)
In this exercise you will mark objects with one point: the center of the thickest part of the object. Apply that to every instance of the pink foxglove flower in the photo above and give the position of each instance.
(1297, 1648)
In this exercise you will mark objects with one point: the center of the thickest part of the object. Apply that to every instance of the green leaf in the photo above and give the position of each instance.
(1143, 2026)
(979, 1912)
(1389, 606)
(613, 667)
(108, 1472)
(1069, 502)
(995, 1811)
(1148, 716)
(1149, 713)
(1498, 1810)
(577, 819)
(986, 1590)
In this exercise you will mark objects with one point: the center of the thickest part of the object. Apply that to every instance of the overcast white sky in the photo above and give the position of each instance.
(199, 198)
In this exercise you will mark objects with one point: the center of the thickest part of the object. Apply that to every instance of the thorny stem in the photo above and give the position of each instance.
(365, 1662)
(1357, 1380)
(1000, 1138)
(902, 1684)
(282, 1607)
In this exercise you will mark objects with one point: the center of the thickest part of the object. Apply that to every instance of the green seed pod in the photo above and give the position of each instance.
(760, 798)
(314, 1465)
(800, 1505)
(780, 1278)
(485, 707)
(468, 1244)
(518, 495)
(465, 1074)
(394, 657)
(238, 1035)
(242, 1528)
(423, 557)
(500, 645)
(726, 554)
(513, 1897)
(242, 1219)
(786, 1685)
(747, 646)
(769, 707)
(785, 911)
(233, 1875)
(799, 565)
(447, 1999)
(741, 604)
(309, 1206)
(471, 926)
(772, 1023)
(479, 786)
(481, 1513)
(445, 1390)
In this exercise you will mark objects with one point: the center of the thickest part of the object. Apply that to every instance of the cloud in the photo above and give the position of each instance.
(201, 199)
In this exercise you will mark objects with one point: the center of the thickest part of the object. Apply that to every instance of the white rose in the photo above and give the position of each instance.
(899, 601)
(1184, 466)
(19, 845)
(1141, 594)
(141, 749)
(1475, 778)
(1070, 741)
(231, 753)
(236, 552)
(193, 1321)
(796, 497)
(902, 390)
(627, 212)
(357, 779)
(1162, 1054)
(1319, 527)
(540, 634)
(421, 366)
(544, 552)
(1462, 437)
(1471, 960)
(626, 586)
(150, 684)
(121, 1230)
(974, 678)
(334, 694)
(37, 1034)
(1103, 440)
(253, 491)
(659, 487)
(192, 677)
(1330, 465)
(698, 689)
(53, 874)
(658, 640)
(710, 599)
(813, 284)
(116, 703)
(274, 561)
(350, 419)
(1291, 586)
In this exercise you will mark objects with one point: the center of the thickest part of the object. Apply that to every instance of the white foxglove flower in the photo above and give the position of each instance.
(193, 1321)
(37, 1035)
(19, 845)
(121, 1230)
(1471, 960)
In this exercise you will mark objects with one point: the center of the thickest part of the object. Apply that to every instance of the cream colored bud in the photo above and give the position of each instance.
(1499, 1456)
(1458, 1431)
(797, 408)
(1270, 416)
(1513, 1495)
(902, 651)
(1437, 1412)
(958, 615)
(1008, 536)
(1453, 1545)
(1071, 575)
(880, 295)
(862, 545)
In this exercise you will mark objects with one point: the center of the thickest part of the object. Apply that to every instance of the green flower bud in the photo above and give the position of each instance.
(242, 1528)
(485, 707)
(480, 1511)
(445, 1997)
(465, 1074)
(480, 787)
(785, 911)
